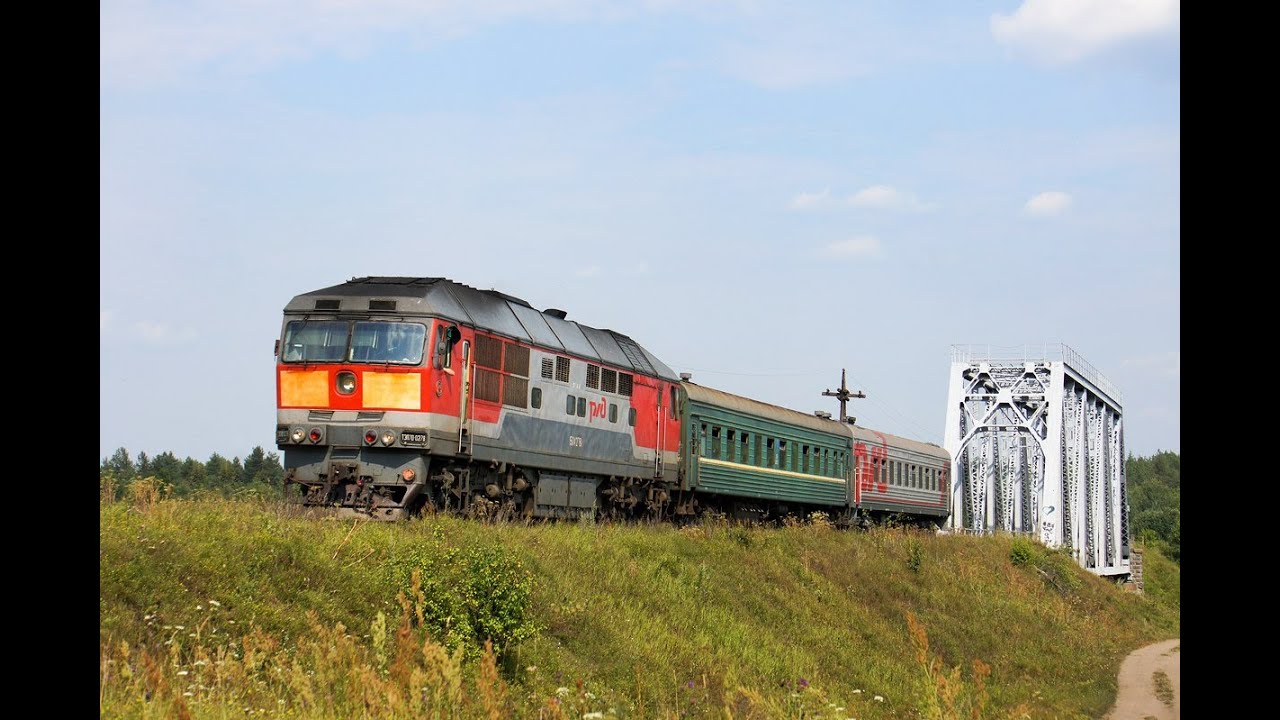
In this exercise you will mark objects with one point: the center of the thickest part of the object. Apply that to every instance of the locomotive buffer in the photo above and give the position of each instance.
(843, 395)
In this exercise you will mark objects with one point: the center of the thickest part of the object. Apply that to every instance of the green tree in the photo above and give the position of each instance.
(120, 466)
(1155, 511)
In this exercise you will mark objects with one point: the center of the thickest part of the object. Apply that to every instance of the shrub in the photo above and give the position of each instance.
(466, 596)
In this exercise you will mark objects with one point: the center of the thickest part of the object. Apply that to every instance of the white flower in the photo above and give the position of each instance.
(562, 691)
(182, 672)
(215, 603)
(593, 716)
(188, 694)
(856, 692)
(199, 607)
(878, 698)
(589, 696)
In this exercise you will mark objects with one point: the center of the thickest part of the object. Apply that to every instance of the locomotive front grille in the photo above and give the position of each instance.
(346, 435)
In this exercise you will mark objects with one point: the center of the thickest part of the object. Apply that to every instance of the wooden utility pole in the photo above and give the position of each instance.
(843, 395)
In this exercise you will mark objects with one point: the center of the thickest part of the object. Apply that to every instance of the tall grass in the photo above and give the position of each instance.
(248, 608)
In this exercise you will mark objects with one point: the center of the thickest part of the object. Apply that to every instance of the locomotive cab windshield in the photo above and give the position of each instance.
(311, 341)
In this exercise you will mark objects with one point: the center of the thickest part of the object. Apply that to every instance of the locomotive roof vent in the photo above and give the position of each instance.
(556, 312)
(327, 304)
(823, 415)
(382, 304)
(686, 376)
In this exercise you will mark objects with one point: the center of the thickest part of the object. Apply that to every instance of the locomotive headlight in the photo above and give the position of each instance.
(297, 435)
(388, 437)
(346, 382)
(370, 437)
(315, 434)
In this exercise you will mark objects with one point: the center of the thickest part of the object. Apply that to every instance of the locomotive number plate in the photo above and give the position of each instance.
(410, 438)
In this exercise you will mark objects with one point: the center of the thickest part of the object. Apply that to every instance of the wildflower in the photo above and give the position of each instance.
(188, 694)
(878, 698)
(689, 684)
(199, 607)
(802, 683)
(179, 627)
(531, 669)
(562, 691)
(857, 692)
(215, 603)
(840, 709)
(182, 672)
(593, 716)
(589, 696)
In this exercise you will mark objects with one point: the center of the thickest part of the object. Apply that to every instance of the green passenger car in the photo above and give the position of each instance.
(755, 456)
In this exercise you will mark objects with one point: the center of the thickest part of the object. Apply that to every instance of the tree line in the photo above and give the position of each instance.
(1153, 485)
(260, 471)
(1155, 516)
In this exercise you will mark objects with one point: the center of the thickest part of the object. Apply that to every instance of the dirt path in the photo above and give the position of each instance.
(1150, 684)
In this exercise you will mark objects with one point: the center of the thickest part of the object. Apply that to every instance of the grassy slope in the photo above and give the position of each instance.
(632, 622)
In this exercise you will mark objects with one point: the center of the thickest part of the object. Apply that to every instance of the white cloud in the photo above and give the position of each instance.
(854, 246)
(794, 57)
(144, 43)
(808, 201)
(592, 271)
(159, 334)
(1061, 31)
(887, 198)
(1048, 203)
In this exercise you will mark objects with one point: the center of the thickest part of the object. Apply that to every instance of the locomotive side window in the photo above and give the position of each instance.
(631, 417)
(570, 405)
(715, 441)
(613, 413)
(731, 447)
(746, 448)
(536, 398)
(671, 408)
(446, 336)
(582, 407)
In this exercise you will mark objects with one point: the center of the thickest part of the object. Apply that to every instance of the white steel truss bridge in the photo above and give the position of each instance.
(1036, 438)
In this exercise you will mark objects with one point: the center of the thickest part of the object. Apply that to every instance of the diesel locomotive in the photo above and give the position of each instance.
(397, 395)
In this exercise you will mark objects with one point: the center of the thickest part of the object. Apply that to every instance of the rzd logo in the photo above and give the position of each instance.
(598, 408)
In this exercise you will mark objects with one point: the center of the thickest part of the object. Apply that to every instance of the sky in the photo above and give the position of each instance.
(762, 193)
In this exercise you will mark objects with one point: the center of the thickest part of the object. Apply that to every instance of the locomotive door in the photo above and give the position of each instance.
(660, 444)
(465, 408)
